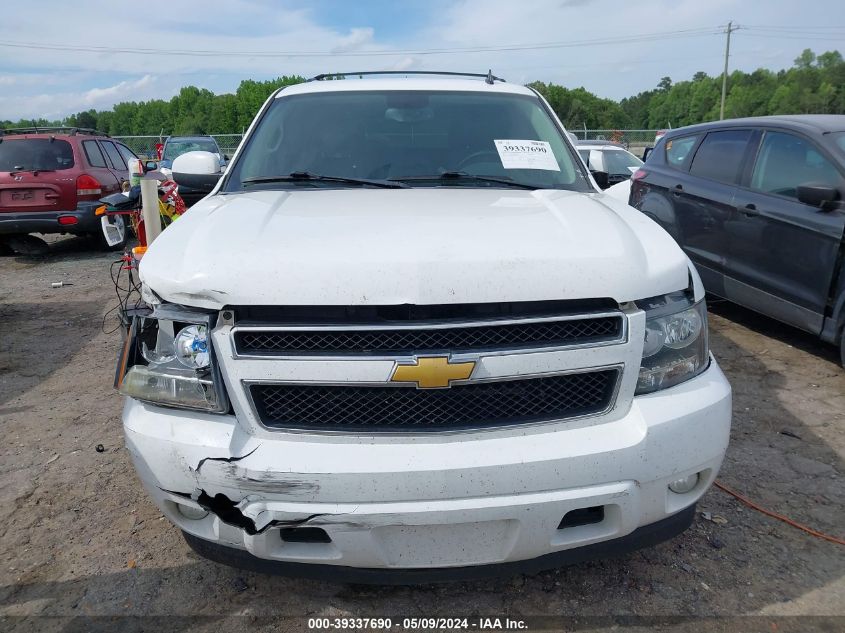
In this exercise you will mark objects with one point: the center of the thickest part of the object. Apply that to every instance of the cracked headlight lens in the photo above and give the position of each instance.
(676, 342)
(168, 360)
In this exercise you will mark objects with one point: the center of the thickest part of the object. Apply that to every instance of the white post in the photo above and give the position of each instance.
(149, 208)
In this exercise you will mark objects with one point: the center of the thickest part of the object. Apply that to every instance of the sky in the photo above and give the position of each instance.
(614, 48)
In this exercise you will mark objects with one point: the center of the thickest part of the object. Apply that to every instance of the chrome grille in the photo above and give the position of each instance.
(425, 339)
(384, 408)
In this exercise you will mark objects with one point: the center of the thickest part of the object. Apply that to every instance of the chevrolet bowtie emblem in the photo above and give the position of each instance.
(433, 372)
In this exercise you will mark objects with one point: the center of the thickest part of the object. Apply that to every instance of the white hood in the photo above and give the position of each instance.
(410, 246)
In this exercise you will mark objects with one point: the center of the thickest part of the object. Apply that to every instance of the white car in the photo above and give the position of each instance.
(406, 337)
(608, 158)
(620, 191)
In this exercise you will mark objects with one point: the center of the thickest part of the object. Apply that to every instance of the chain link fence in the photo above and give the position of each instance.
(145, 146)
(635, 140)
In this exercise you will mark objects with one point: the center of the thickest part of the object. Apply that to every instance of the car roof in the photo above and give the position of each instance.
(195, 137)
(405, 84)
(605, 144)
(54, 132)
(810, 123)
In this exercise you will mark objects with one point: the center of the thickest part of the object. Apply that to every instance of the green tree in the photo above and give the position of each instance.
(816, 83)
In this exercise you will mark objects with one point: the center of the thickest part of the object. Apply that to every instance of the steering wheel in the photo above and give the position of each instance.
(476, 158)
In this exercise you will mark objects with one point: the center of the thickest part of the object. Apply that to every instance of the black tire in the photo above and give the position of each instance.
(122, 226)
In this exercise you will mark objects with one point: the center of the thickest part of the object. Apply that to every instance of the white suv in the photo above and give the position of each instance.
(406, 336)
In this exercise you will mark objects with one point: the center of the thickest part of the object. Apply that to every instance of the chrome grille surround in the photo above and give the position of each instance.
(354, 371)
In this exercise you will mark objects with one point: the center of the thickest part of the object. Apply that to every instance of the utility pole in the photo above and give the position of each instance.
(731, 28)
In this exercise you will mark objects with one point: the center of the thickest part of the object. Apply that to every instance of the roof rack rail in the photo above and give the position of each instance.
(62, 129)
(488, 77)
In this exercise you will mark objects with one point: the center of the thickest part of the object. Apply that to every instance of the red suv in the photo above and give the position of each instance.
(52, 178)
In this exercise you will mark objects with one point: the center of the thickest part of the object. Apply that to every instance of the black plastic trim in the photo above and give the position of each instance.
(16, 222)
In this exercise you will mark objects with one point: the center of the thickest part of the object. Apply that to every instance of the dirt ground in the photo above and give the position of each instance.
(81, 547)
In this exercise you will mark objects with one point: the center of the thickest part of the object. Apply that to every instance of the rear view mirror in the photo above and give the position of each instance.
(197, 170)
(817, 195)
(601, 178)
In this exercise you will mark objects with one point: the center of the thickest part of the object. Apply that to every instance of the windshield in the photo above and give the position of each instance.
(414, 135)
(176, 148)
(619, 162)
(35, 154)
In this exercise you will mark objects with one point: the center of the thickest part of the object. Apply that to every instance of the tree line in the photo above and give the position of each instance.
(814, 84)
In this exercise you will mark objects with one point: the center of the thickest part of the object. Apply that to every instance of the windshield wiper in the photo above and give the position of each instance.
(304, 176)
(464, 176)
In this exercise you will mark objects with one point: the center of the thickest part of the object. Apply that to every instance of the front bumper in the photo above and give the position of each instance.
(444, 502)
(22, 222)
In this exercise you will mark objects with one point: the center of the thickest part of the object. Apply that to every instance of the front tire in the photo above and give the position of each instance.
(119, 231)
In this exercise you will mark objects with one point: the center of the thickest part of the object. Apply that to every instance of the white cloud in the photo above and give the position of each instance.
(406, 63)
(124, 89)
(56, 105)
(356, 39)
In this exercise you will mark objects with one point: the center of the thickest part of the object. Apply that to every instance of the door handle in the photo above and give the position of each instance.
(749, 210)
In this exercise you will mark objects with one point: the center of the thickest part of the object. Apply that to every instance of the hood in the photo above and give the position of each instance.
(410, 246)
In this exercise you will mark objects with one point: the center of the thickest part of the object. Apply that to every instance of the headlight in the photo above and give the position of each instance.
(676, 344)
(192, 347)
(168, 360)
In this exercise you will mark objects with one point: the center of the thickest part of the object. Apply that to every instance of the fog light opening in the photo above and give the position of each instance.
(684, 484)
(190, 512)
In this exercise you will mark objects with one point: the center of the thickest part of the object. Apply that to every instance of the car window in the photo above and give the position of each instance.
(127, 153)
(619, 162)
(418, 135)
(172, 149)
(32, 154)
(95, 156)
(585, 156)
(115, 158)
(786, 161)
(719, 157)
(678, 150)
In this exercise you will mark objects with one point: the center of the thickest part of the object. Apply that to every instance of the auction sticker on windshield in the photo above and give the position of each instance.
(516, 154)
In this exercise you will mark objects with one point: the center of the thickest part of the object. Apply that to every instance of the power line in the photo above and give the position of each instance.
(773, 27)
(805, 38)
(606, 41)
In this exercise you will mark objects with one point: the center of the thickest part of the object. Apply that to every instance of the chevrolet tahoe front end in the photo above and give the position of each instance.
(383, 383)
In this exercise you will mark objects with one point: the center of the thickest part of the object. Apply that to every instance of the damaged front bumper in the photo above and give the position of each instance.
(446, 502)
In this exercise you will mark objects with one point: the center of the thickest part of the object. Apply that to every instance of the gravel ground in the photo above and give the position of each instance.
(83, 549)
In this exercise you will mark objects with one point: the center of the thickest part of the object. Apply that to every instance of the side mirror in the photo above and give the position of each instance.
(817, 195)
(646, 152)
(199, 171)
(601, 178)
(150, 165)
(225, 157)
